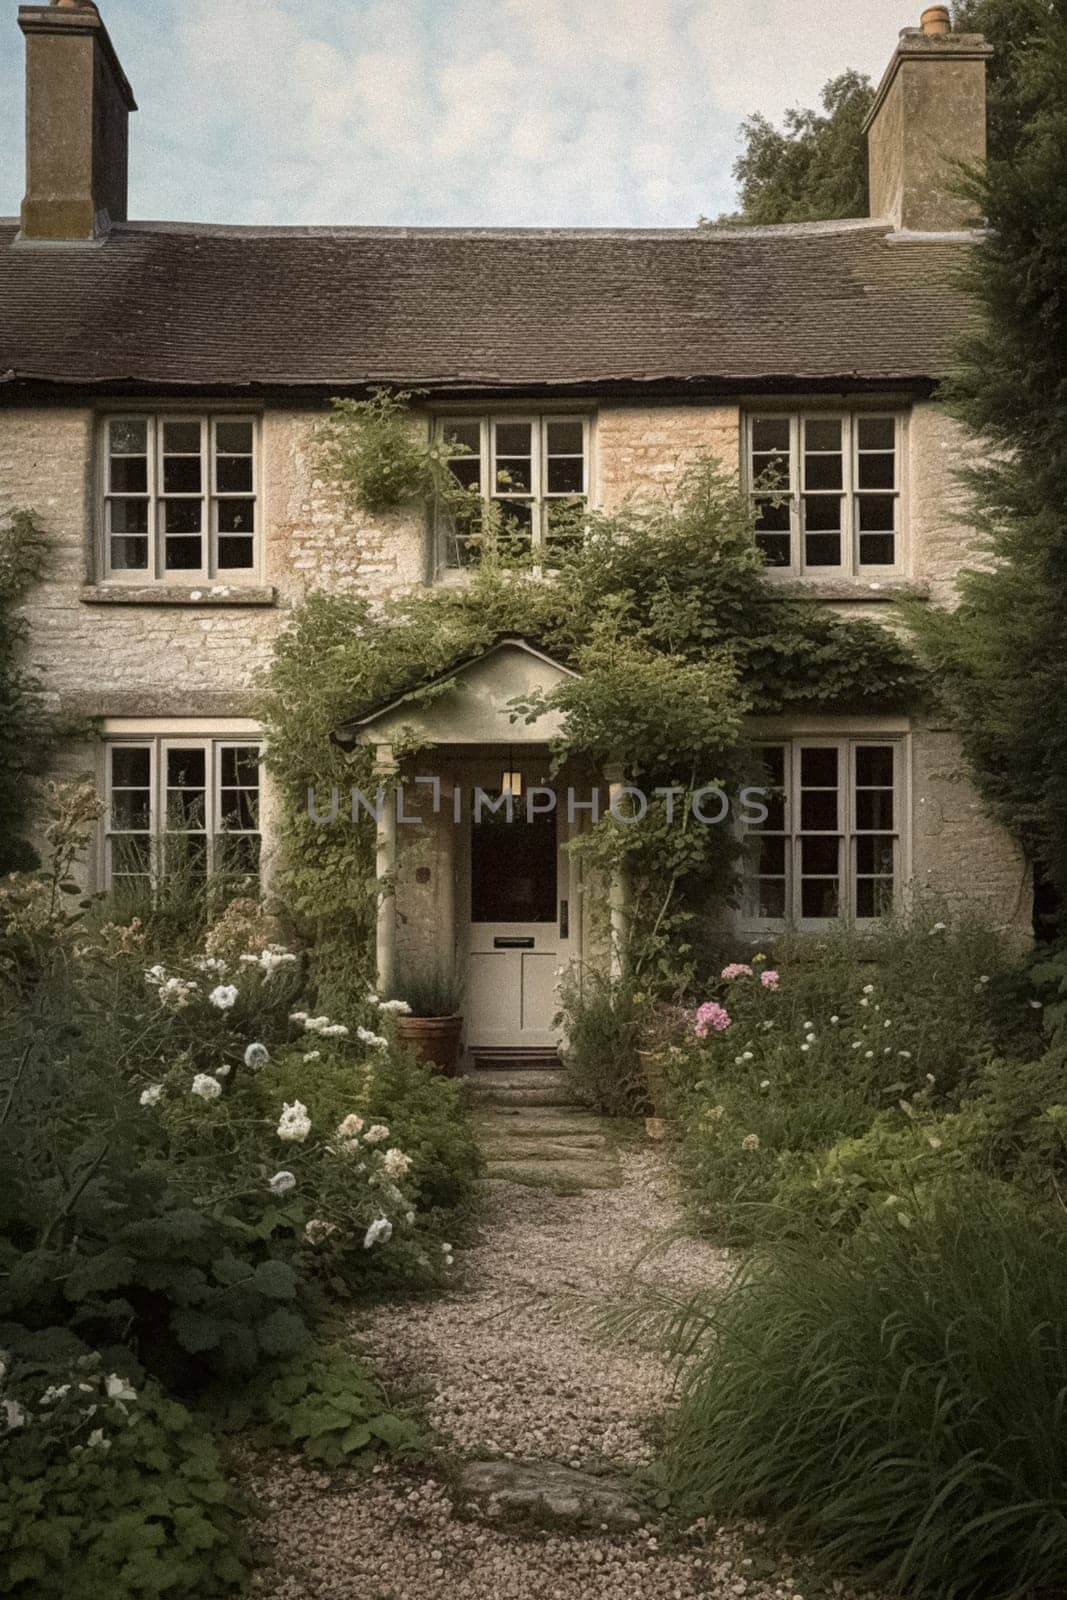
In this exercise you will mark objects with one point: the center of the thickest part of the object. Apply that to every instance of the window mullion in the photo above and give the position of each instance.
(796, 509)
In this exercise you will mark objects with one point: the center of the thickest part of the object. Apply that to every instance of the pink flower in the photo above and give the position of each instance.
(737, 969)
(711, 1015)
(769, 978)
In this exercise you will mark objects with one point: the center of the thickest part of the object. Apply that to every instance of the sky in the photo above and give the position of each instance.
(531, 113)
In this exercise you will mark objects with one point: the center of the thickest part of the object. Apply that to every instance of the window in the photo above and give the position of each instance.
(830, 845)
(178, 804)
(534, 469)
(180, 498)
(827, 491)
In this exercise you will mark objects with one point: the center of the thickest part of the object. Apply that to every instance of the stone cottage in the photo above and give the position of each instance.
(159, 384)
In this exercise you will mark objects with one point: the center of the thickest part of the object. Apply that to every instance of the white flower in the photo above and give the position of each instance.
(934, 1143)
(176, 992)
(317, 1230)
(396, 1163)
(224, 1070)
(409, 1216)
(206, 1087)
(351, 1127)
(152, 1095)
(750, 1141)
(281, 1183)
(376, 1133)
(372, 1000)
(256, 1055)
(738, 1060)
(399, 1008)
(865, 1001)
(316, 1024)
(1036, 1005)
(15, 1416)
(868, 988)
(313, 1055)
(867, 1054)
(294, 1125)
(805, 1048)
(3, 1366)
(375, 1040)
(905, 1055)
(210, 964)
(765, 1084)
(810, 1038)
(835, 1019)
(380, 1229)
(298, 1016)
(939, 927)
(747, 1056)
(806, 1025)
(119, 1388)
(53, 1393)
(334, 1030)
(857, 1044)
(983, 979)
(98, 1440)
(223, 997)
(155, 976)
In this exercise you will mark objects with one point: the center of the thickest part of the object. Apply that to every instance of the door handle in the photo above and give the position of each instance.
(564, 919)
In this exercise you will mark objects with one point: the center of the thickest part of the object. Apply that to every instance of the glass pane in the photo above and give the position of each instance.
(874, 854)
(131, 810)
(771, 517)
(769, 857)
(129, 474)
(513, 475)
(564, 438)
(127, 438)
(186, 853)
(513, 867)
(874, 765)
(468, 434)
(181, 516)
(239, 808)
(233, 474)
(181, 474)
(182, 555)
(131, 766)
(877, 472)
(822, 433)
(818, 766)
(771, 898)
(874, 808)
(819, 857)
(770, 434)
(565, 475)
(822, 472)
(235, 554)
(467, 470)
(235, 437)
(186, 769)
(877, 550)
(237, 854)
(775, 548)
(131, 856)
(236, 516)
(513, 438)
(129, 555)
(876, 433)
(874, 897)
(822, 512)
(239, 765)
(818, 810)
(822, 550)
(877, 513)
(128, 516)
(818, 897)
(183, 438)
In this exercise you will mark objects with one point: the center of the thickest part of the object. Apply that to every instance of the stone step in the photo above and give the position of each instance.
(558, 1149)
(546, 1493)
(568, 1173)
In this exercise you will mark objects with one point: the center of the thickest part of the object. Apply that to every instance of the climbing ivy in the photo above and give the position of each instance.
(676, 636)
(27, 730)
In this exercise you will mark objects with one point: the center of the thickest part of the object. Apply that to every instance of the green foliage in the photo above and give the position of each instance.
(429, 990)
(601, 1025)
(27, 730)
(1002, 656)
(372, 452)
(814, 170)
(899, 1400)
(665, 613)
(109, 1490)
(331, 1407)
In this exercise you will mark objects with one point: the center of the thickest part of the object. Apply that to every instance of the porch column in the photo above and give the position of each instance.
(618, 895)
(385, 871)
(446, 868)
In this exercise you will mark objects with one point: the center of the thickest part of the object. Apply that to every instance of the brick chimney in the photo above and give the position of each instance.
(77, 109)
(928, 116)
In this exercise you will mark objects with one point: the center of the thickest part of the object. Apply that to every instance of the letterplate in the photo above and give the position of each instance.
(512, 942)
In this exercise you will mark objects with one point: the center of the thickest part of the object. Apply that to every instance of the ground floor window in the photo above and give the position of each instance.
(830, 846)
(181, 805)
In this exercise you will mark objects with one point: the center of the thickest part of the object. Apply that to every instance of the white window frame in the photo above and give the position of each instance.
(158, 745)
(848, 832)
(850, 565)
(540, 497)
(210, 496)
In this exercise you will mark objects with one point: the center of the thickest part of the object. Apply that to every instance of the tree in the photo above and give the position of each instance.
(816, 169)
(1002, 656)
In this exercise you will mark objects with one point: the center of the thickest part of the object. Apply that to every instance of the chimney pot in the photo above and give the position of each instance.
(935, 21)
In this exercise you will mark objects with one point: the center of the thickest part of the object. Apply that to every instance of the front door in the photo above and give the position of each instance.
(519, 932)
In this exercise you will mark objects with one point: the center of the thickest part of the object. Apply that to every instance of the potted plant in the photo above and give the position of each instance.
(433, 1023)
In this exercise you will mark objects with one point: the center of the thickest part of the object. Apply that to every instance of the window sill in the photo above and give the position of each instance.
(177, 594)
(860, 591)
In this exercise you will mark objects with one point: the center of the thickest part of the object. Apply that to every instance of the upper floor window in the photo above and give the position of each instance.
(830, 845)
(827, 491)
(181, 805)
(180, 498)
(534, 470)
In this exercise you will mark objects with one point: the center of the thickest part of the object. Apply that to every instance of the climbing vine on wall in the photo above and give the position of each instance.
(676, 636)
(27, 730)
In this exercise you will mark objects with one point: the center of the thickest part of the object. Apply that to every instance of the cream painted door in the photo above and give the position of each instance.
(520, 917)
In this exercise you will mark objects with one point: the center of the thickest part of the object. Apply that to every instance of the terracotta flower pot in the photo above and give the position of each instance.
(434, 1040)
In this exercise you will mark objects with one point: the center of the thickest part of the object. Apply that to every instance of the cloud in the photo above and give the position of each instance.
(477, 112)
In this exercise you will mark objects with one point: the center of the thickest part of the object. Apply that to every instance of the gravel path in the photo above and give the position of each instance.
(509, 1373)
